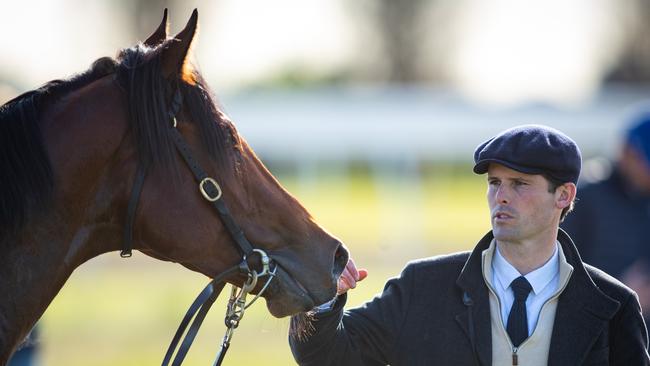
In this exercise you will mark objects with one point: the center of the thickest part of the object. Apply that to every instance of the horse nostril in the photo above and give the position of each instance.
(340, 260)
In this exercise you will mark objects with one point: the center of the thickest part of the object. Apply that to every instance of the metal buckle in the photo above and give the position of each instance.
(175, 123)
(205, 193)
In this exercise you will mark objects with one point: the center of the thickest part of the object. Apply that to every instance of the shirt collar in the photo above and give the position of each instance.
(538, 279)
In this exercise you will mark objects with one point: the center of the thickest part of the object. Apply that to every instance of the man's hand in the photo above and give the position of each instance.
(350, 276)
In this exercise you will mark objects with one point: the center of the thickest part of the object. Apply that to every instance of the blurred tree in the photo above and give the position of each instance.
(634, 64)
(394, 37)
(406, 39)
(145, 15)
(401, 33)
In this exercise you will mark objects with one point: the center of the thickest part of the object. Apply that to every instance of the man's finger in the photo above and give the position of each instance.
(363, 273)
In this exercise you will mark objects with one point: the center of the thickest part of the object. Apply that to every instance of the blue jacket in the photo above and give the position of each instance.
(610, 224)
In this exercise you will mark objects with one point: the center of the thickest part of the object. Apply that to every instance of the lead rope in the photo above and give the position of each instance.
(234, 312)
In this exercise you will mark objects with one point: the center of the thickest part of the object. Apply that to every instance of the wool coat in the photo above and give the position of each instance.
(437, 312)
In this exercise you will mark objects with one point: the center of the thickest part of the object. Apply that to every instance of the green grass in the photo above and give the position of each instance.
(124, 312)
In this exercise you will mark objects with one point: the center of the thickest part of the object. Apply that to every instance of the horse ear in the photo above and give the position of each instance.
(160, 34)
(176, 53)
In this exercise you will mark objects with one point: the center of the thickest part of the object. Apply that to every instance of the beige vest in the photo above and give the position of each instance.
(534, 350)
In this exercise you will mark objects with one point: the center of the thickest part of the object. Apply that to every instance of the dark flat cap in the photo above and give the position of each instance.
(531, 149)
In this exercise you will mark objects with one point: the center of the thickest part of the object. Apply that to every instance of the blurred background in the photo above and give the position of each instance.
(368, 111)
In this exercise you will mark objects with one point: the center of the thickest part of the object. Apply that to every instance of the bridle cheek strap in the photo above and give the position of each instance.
(208, 187)
(130, 214)
(212, 192)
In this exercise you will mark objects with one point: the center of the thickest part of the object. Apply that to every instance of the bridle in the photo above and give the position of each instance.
(211, 191)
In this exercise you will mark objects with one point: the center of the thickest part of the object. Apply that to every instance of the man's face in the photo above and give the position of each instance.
(521, 206)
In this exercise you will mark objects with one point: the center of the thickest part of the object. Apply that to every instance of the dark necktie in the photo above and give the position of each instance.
(517, 320)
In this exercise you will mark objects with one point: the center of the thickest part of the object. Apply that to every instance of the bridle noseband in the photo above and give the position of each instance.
(211, 191)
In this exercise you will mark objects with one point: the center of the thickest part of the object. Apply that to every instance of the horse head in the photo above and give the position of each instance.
(74, 148)
(174, 221)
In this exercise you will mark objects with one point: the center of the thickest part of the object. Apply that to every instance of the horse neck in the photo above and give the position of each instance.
(32, 276)
(36, 267)
(81, 223)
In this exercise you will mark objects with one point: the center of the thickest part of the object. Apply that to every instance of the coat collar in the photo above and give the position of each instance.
(582, 313)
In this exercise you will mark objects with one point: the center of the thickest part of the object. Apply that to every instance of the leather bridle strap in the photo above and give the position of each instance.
(130, 214)
(207, 186)
(201, 304)
(212, 192)
(138, 183)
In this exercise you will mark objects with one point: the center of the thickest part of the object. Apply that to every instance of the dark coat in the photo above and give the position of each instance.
(425, 317)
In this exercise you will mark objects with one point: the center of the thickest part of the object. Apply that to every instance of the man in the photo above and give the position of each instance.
(521, 297)
(611, 223)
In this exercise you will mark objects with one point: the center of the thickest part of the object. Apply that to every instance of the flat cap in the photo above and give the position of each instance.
(531, 149)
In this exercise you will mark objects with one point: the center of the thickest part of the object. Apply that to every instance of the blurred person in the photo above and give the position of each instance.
(27, 352)
(611, 223)
(521, 297)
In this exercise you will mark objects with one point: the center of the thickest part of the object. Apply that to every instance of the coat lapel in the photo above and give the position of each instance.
(471, 283)
(482, 330)
(582, 314)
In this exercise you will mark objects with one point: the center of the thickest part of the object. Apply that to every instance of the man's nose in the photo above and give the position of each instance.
(502, 195)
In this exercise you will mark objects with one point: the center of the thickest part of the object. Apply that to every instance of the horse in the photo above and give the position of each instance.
(70, 153)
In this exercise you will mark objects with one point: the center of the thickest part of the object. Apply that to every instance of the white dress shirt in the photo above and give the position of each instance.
(544, 281)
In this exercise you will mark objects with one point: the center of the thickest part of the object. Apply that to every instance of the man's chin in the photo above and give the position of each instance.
(504, 235)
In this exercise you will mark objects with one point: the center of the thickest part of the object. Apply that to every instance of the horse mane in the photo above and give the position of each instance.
(28, 183)
(149, 97)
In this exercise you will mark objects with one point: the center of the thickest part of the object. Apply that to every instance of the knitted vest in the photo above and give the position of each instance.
(534, 350)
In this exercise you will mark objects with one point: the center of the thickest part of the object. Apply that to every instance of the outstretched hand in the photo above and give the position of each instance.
(350, 276)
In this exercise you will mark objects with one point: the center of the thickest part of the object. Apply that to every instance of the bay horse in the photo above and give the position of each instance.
(69, 153)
